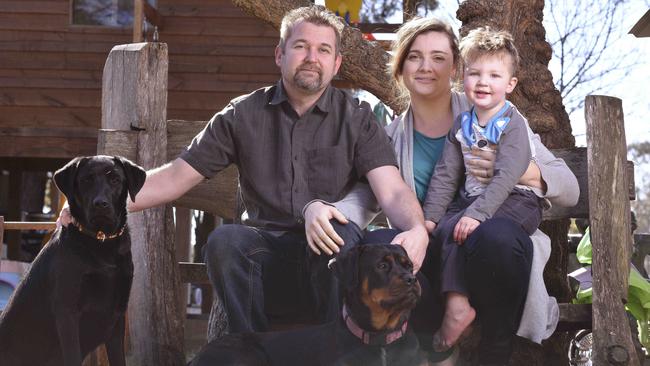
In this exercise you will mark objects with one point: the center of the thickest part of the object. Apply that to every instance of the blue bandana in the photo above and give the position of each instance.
(473, 132)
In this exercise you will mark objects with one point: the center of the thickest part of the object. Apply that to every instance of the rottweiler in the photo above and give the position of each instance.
(379, 291)
(75, 294)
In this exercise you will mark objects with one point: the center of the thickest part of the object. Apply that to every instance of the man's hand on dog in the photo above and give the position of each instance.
(415, 242)
(321, 235)
(65, 217)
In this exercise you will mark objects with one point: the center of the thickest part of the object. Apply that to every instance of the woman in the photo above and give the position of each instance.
(505, 264)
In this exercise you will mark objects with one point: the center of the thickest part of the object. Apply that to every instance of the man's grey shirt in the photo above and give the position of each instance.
(286, 160)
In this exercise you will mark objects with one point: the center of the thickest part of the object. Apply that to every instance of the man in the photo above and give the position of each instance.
(297, 141)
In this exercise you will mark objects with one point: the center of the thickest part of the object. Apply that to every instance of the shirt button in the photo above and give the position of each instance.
(295, 157)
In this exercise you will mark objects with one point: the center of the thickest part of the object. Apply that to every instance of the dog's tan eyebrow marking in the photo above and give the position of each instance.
(403, 260)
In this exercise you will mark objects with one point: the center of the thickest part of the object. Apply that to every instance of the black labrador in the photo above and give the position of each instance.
(75, 295)
(379, 292)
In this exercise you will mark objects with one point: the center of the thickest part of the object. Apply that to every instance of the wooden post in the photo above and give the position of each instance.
(182, 240)
(138, 20)
(2, 232)
(610, 230)
(134, 97)
(13, 213)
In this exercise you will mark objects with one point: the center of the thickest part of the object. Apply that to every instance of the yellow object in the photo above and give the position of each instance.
(346, 9)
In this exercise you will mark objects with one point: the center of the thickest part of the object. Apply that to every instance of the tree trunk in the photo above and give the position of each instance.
(536, 97)
(364, 62)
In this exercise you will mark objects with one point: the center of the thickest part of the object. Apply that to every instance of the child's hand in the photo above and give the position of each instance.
(430, 225)
(465, 226)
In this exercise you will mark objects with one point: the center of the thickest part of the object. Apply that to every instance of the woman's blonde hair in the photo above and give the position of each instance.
(407, 34)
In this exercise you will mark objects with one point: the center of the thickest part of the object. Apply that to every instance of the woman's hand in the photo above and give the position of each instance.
(482, 167)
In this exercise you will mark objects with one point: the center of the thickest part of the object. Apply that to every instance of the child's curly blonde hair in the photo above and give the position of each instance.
(486, 41)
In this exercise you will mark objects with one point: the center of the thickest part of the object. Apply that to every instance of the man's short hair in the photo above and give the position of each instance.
(315, 14)
(486, 41)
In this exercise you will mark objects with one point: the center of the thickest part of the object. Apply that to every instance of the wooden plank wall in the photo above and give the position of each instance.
(51, 71)
(216, 52)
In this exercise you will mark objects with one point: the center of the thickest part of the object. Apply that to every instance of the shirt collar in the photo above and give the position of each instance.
(280, 95)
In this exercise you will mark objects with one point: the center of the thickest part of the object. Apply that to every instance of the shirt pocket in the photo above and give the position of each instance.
(328, 168)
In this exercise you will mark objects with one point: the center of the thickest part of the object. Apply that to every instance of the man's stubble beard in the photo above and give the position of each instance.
(308, 84)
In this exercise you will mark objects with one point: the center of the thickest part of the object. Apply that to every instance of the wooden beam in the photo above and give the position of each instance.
(576, 160)
(39, 147)
(118, 142)
(193, 272)
(378, 27)
(611, 238)
(2, 232)
(13, 213)
(134, 97)
(223, 185)
(642, 26)
(29, 225)
(47, 142)
(153, 16)
(33, 164)
(138, 20)
(183, 220)
(574, 317)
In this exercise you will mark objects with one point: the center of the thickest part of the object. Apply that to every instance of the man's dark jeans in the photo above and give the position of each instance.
(260, 273)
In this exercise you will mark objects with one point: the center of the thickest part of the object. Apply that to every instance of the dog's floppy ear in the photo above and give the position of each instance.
(346, 266)
(135, 175)
(64, 177)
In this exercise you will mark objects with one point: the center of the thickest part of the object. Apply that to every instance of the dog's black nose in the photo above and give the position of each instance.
(100, 203)
(409, 279)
